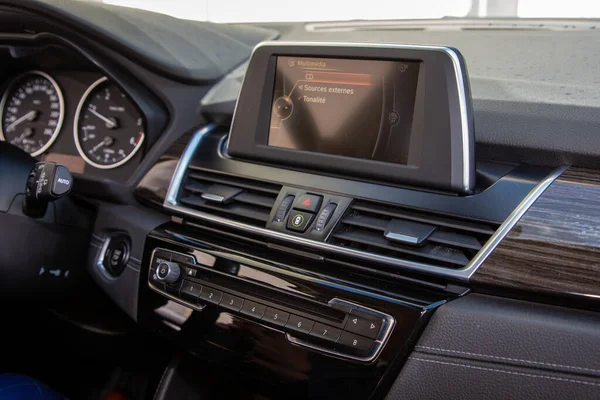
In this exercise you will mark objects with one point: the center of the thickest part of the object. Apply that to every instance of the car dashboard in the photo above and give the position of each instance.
(313, 268)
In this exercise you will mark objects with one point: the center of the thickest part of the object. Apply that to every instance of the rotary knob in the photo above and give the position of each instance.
(168, 272)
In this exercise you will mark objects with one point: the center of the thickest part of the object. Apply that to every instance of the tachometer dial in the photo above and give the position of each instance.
(109, 129)
(31, 112)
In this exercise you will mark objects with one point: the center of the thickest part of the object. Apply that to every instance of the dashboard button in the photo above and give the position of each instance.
(160, 256)
(324, 217)
(326, 332)
(211, 295)
(308, 202)
(231, 302)
(190, 291)
(363, 325)
(169, 272)
(253, 309)
(299, 324)
(277, 317)
(355, 343)
(299, 220)
(183, 258)
(191, 272)
(283, 209)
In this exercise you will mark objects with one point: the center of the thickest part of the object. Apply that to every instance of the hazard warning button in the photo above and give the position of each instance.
(308, 202)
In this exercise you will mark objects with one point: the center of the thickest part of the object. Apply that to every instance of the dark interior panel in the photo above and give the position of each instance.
(310, 270)
(488, 347)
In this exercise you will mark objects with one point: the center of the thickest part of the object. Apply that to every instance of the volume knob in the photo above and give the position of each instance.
(168, 272)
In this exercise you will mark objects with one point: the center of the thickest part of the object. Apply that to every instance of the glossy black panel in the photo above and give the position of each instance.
(152, 189)
(259, 350)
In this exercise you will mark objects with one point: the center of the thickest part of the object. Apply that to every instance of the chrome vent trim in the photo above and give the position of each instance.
(462, 274)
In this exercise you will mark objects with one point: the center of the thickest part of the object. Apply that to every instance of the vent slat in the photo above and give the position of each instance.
(364, 221)
(237, 182)
(431, 252)
(255, 199)
(243, 200)
(455, 239)
(254, 213)
(425, 218)
(196, 187)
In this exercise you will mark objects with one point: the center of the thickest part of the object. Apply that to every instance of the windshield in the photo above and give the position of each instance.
(344, 10)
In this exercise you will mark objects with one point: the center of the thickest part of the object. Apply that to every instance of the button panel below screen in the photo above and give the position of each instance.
(361, 335)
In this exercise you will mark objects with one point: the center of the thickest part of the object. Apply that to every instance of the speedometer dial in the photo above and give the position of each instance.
(109, 129)
(31, 112)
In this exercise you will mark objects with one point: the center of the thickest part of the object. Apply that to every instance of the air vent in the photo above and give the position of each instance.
(235, 198)
(411, 235)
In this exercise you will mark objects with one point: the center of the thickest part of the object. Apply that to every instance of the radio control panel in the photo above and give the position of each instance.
(340, 328)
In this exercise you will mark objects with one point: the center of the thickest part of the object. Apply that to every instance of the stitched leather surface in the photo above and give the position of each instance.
(481, 346)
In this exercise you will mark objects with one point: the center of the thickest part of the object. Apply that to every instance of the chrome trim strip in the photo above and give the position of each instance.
(464, 121)
(384, 334)
(512, 220)
(462, 274)
(182, 166)
(458, 73)
(100, 260)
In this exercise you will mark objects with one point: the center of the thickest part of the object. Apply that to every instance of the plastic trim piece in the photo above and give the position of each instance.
(461, 274)
(384, 334)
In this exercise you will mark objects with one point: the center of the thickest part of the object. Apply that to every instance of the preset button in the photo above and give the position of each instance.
(275, 316)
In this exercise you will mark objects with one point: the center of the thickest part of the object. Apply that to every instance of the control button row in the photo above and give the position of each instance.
(348, 341)
(357, 337)
(304, 210)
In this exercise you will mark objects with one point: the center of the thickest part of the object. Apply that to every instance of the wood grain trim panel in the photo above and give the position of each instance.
(554, 249)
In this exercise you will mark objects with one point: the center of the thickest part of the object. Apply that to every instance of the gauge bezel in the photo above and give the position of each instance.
(82, 153)
(61, 100)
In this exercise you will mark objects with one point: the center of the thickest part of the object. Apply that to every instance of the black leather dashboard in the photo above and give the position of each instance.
(487, 347)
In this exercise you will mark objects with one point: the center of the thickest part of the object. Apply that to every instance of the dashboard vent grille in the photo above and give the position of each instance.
(443, 241)
(235, 198)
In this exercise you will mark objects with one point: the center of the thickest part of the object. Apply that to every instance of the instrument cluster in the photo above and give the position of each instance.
(81, 119)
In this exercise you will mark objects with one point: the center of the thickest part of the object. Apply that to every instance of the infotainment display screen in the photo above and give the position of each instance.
(373, 111)
(347, 107)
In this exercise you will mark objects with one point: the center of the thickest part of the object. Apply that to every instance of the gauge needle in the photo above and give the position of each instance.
(26, 133)
(30, 116)
(107, 141)
(110, 124)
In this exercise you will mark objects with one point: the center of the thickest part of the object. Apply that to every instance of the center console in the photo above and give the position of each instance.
(311, 241)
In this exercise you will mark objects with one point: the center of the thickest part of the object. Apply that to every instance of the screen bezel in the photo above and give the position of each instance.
(442, 121)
